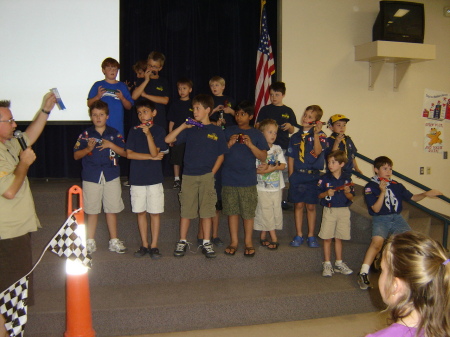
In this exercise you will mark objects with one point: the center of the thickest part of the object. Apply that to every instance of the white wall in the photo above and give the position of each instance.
(318, 39)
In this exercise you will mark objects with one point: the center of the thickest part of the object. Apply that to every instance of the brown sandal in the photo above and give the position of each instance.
(231, 250)
(248, 250)
(273, 245)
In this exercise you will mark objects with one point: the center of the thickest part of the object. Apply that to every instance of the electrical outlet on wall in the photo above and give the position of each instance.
(428, 170)
(421, 170)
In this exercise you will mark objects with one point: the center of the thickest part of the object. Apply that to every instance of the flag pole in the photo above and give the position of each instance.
(78, 303)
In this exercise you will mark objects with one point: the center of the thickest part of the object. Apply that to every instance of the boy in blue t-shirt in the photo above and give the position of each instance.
(282, 114)
(384, 197)
(145, 148)
(305, 160)
(239, 194)
(179, 110)
(112, 92)
(154, 87)
(336, 195)
(99, 147)
(340, 141)
(205, 148)
(285, 118)
(223, 113)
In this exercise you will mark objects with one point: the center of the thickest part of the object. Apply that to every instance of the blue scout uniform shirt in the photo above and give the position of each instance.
(146, 172)
(347, 146)
(203, 146)
(157, 87)
(178, 112)
(96, 162)
(281, 114)
(306, 150)
(239, 168)
(115, 106)
(226, 101)
(394, 196)
(329, 181)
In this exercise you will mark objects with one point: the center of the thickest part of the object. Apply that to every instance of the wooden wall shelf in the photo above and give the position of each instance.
(401, 54)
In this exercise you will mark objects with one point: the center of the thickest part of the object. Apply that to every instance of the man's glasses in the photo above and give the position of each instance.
(10, 121)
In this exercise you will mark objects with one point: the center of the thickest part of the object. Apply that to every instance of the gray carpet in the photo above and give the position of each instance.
(139, 295)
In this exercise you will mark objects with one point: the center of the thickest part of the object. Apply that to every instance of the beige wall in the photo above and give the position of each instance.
(317, 61)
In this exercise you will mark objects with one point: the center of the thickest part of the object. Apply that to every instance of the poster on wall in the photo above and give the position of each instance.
(434, 137)
(436, 105)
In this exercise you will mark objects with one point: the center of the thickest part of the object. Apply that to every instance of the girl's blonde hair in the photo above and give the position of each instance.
(423, 265)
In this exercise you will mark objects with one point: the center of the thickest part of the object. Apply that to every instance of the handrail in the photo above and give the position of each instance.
(421, 207)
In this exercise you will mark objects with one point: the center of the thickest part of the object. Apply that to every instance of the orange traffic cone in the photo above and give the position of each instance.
(78, 300)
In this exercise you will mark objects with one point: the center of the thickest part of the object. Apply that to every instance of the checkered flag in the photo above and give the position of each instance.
(13, 306)
(66, 242)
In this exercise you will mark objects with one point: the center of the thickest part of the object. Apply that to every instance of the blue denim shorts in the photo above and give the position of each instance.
(303, 188)
(386, 225)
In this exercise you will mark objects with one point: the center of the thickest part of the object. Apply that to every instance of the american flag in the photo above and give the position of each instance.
(265, 66)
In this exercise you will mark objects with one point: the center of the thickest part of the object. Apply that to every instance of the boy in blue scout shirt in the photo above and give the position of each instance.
(305, 160)
(336, 195)
(145, 148)
(338, 140)
(205, 148)
(239, 194)
(112, 92)
(384, 197)
(154, 87)
(99, 147)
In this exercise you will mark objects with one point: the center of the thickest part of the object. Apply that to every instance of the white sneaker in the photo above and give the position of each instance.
(327, 269)
(91, 246)
(343, 269)
(115, 245)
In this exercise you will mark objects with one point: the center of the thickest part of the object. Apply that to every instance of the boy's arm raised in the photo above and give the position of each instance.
(84, 152)
(126, 103)
(429, 194)
(137, 92)
(172, 136)
(376, 207)
(317, 145)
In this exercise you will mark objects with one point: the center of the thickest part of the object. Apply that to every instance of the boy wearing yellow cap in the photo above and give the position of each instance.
(340, 141)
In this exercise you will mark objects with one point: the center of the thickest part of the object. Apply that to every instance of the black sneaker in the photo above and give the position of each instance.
(217, 242)
(363, 281)
(180, 249)
(285, 205)
(208, 251)
(177, 184)
(154, 253)
(141, 252)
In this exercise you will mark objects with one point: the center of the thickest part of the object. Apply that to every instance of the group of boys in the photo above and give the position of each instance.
(220, 174)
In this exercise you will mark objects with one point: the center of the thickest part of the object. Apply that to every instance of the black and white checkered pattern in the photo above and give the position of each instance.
(13, 306)
(66, 242)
